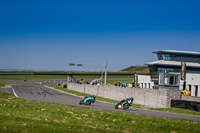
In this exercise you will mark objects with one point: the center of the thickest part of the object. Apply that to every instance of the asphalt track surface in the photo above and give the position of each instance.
(41, 93)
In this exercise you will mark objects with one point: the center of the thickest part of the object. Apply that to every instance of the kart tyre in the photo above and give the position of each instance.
(81, 102)
(88, 102)
(126, 107)
(116, 106)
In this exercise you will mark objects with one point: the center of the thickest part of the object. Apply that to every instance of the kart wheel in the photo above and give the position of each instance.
(88, 102)
(81, 102)
(116, 106)
(126, 107)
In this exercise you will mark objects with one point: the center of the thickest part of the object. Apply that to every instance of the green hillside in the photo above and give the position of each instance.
(138, 69)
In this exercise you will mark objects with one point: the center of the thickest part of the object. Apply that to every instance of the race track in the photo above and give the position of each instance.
(41, 93)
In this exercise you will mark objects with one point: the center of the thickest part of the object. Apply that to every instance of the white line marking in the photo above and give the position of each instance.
(14, 91)
(63, 91)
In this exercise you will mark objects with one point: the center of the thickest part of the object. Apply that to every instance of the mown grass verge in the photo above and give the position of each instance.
(170, 110)
(2, 84)
(30, 77)
(20, 115)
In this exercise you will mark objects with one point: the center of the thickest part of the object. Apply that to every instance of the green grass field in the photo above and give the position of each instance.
(25, 116)
(2, 84)
(29, 77)
(21, 78)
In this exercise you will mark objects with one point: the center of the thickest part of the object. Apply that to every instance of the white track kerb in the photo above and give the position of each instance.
(62, 91)
(14, 91)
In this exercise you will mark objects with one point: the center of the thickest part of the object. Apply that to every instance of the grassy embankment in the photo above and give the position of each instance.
(20, 115)
(138, 69)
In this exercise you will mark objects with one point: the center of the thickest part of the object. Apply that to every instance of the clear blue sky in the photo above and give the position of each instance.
(50, 34)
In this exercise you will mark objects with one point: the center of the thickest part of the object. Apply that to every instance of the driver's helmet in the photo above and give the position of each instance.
(132, 98)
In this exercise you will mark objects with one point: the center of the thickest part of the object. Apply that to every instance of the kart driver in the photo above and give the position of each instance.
(129, 100)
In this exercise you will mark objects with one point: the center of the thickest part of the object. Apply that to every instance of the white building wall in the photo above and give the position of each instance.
(192, 79)
(199, 91)
(145, 81)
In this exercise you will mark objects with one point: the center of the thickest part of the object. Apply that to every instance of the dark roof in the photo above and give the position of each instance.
(177, 52)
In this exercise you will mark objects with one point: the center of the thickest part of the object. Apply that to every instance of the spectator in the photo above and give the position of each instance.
(119, 84)
(133, 84)
(125, 84)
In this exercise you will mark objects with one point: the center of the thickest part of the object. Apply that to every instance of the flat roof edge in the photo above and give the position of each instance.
(177, 52)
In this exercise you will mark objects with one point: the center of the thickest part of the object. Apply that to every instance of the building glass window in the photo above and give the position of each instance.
(159, 56)
(196, 90)
(171, 79)
(190, 87)
(163, 56)
(178, 57)
(145, 85)
(168, 79)
(166, 56)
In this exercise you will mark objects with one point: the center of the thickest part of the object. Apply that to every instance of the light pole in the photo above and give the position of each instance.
(105, 72)
(97, 66)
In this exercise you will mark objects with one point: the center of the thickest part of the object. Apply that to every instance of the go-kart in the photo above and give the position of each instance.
(124, 104)
(87, 100)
